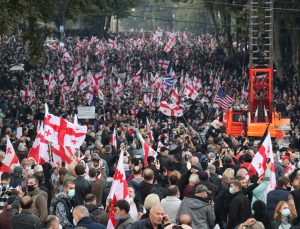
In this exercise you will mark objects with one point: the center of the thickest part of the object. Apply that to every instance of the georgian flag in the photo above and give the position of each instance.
(39, 150)
(259, 162)
(175, 98)
(171, 110)
(112, 44)
(76, 71)
(52, 83)
(67, 57)
(61, 132)
(190, 92)
(148, 151)
(171, 43)
(164, 64)
(90, 95)
(82, 83)
(10, 157)
(197, 84)
(119, 87)
(99, 78)
(60, 75)
(118, 190)
(62, 154)
(100, 93)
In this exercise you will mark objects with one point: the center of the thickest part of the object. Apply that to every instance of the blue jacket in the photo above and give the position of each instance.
(259, 191)
(89, 224)
(274, 197)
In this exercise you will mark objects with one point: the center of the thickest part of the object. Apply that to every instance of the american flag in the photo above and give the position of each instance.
(222, 99)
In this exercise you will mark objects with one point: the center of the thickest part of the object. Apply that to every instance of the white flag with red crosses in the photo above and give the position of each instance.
(62, 132)
(118, 191)
(10, 157)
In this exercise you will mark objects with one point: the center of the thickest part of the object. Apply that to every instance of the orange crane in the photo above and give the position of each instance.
(252, 122)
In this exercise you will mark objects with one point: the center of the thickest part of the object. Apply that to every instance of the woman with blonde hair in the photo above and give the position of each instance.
(227, 177)
(283, 216)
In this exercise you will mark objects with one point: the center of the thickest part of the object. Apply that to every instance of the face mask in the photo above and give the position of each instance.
(74, 222)
(71, 193)
(28, 168)
(285, 212)
(30, 188)
(60, 226)
(118, 218)
(130, 199)
(231, 190)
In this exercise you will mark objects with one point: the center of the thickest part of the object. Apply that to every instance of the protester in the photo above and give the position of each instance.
(64, 204)
(157, 218)
(25, 219)
(121, 210)
(125, 80)
(239, 208)
(81, 219)
(39, 198)
(283, 216)
(199, 208)
(171, 203)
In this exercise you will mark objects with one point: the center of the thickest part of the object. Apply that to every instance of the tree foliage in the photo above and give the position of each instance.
(35, 14)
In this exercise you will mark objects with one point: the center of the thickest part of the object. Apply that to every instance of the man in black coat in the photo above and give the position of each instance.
(82, 186)
(81, 219)
(26, 219)
(239, 207)
(157, 219)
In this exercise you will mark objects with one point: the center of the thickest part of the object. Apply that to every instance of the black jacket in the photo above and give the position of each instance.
(144, 224)
(87, 223)
(274, 197)
(25, 220)
(82, 187)
(94, 211)
(239, 210)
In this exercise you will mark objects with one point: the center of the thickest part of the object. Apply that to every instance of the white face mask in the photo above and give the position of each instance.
(130, 199)
(74, 222)
(60, 226)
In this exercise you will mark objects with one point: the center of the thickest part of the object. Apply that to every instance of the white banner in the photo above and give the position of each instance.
(86, 112)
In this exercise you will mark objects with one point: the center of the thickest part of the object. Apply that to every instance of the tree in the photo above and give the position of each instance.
(35, 13)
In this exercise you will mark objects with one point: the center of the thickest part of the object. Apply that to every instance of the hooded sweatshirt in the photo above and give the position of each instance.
(200, 210)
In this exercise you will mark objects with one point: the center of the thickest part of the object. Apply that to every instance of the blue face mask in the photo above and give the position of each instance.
(118, 218)
(285, 212)
(71, 193)
(231, 190)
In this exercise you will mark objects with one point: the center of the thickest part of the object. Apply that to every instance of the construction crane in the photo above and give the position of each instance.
(252, 122)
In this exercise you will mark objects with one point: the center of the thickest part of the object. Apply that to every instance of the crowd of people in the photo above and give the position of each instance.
(200, 181)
